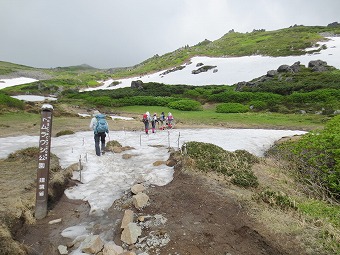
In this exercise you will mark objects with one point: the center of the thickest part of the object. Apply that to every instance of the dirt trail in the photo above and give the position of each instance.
(202, 218)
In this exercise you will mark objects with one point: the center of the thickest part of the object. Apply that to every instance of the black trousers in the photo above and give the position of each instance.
(100, 137)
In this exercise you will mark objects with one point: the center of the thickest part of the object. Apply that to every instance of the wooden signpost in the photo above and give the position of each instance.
(43, 161)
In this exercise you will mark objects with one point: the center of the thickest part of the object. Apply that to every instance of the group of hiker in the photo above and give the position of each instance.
(100, 127)
(162, 121)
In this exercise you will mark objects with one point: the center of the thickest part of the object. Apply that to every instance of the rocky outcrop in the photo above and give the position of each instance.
(314, 65)
(318, 65)
(203, 69)
(137, 84)
(295, 68)
(177, 68)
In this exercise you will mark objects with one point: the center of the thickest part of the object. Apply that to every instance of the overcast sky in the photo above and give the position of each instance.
(117, 33)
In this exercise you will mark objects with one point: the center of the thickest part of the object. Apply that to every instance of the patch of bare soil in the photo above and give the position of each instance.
(203, 220)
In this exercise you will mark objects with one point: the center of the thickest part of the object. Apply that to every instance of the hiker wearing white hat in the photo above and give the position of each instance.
(100, 129)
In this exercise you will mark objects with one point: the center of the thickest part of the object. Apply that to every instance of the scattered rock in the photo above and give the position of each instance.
(140, 200)
(62, 250)
(177, 68)
(272, 73)
(141, 218)
(127, 218)
(54, 221)
(135, 189)
(203, 69)
(92, 244)
(158, 163)
(111, 248)
(127, 156)
(318, 65)
(128, 253)
(131, 233)
(284, 69)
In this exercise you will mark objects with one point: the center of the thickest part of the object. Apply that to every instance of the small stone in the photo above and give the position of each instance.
(140, 200)
(126, 156)
(92, 244)
(54, 221)
(141, 218)
(127, 218)
(158, 163)
(135, 189)
(131, 233)
(111, 248)
(62, 250)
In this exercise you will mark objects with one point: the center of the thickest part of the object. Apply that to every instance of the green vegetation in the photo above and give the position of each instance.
(185, 105)
(316, 159)
(321, 210)
(8, 68)
(64, 132)
(231, 108)
(276, 198)
(208, 157)
(9, 102)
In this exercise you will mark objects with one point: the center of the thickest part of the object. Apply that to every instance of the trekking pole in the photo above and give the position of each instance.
(169, 139)
(140, 140)
(179, 135)
(80, 167)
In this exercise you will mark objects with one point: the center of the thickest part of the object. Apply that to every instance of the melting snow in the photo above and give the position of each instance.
(106, 178)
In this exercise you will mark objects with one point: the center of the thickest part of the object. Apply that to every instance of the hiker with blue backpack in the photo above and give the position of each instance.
(100, 129)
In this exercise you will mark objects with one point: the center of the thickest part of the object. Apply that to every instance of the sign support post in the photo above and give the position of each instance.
(43, 162)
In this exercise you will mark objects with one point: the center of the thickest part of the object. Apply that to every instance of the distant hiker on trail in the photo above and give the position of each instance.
(169, 120)
(146, 120)
(153, 122)
(161, 120)
(100, 128)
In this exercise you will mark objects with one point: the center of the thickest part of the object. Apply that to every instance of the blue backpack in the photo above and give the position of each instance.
(102, 125)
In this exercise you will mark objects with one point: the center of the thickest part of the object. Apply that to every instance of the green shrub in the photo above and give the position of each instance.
(258, 105)
(316, 159)
(113, 143)
(276, 198)
(185, 105)
(231, 108)
(245, 179)
(7, 101)
(208, 157)
(64, 132)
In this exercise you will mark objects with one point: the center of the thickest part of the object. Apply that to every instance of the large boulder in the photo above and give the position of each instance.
(318, 65)
(284, 69)
(137, 84)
